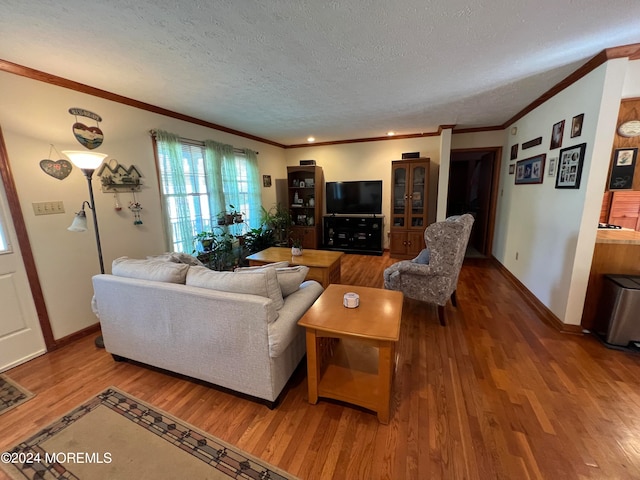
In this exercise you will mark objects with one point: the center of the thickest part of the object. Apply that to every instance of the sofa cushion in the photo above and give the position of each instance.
(157, 271)
(254, 282)
(289, 278)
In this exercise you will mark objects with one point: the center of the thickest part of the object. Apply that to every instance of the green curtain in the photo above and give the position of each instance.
(255, 196)
(174, 192)
(214, 154)
(221, 174)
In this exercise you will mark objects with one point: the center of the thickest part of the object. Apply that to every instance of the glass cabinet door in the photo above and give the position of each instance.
(417, 194)
(399, 196)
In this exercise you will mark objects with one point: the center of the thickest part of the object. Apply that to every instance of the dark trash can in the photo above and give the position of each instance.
(619, 308)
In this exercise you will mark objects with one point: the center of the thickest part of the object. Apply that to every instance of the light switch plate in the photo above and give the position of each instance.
(48, 208)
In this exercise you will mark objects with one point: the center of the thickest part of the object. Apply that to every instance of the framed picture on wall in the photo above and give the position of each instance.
(576, 125)
(556, 135)
(570, 166)
(530, 170)
(622, 168)
(514, 151)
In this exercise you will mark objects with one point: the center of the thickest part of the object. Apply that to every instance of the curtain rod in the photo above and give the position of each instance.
(198, 143)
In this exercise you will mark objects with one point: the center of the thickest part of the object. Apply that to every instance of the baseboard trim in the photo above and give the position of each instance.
(61, 342)
(541, 309)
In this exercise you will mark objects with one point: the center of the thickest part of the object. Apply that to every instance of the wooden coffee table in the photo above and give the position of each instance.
(351, 351)
(324, 265)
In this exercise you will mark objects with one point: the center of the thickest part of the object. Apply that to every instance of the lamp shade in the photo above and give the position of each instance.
(79, 223)
(85, 160)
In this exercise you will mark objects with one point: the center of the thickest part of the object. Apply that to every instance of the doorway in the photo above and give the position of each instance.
(473, 184)
(25, 331)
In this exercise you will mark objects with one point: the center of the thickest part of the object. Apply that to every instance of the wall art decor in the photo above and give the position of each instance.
(266, 180)
(570, 166)
(514, 152)
(532, 143)
(576, 125)
(89, 137)
(623, 167)
(512, 169)
(553, 162)
(530, 170)
(556, 135)
(59, 169)
(116, 177)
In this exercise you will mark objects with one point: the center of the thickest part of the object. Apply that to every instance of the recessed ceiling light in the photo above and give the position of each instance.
(311, 139)
(391, 133)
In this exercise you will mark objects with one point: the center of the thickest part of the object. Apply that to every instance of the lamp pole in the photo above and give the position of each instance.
(87, 162)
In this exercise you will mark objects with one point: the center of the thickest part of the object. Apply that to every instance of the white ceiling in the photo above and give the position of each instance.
(335, 69)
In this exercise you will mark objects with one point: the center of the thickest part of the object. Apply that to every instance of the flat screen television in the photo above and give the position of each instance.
(355, 197)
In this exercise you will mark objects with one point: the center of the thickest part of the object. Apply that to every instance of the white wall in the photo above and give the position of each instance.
(443, 180)
(493, 138)
(631, 87)
(552, 231)
(34, 115)
(372, 161)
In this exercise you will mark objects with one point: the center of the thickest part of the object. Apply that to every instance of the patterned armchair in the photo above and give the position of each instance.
(437, 280)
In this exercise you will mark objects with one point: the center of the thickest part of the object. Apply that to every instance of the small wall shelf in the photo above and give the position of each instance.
(118, 178)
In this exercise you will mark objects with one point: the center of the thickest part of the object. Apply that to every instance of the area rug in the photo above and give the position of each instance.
(116, 436)
(11, 394)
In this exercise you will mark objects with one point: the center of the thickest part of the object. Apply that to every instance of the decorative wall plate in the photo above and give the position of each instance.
(90, 137)
(59, 169)
(629, 129)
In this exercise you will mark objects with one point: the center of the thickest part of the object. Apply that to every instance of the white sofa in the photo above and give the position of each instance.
(235, 330)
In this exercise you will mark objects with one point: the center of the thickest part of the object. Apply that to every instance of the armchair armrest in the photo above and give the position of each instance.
(411, 268)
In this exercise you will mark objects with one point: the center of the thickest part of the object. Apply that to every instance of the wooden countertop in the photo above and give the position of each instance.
(628, 237)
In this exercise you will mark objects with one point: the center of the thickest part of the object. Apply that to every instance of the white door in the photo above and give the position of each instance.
(20, 335)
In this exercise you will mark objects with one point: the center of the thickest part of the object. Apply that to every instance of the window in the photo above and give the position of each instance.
(4, 244)
(199, 181)
(4, 239)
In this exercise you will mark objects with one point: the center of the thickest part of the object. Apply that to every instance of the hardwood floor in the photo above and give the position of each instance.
(496, 394)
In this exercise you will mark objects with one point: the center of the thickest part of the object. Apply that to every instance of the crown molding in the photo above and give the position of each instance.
(369, 139)
(33, 74)
(632, 52)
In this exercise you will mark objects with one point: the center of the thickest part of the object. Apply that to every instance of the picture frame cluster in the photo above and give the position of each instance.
(566, 167)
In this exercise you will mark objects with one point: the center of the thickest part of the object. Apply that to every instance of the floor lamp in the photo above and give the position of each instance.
(88, 162)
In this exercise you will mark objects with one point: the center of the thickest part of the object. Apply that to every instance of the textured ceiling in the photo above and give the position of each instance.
(283, 70)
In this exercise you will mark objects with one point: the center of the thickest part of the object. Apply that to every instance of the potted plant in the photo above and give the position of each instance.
(222, 255)
(205, 239)
(221, 218)
(237, 216)
(258, 239)
(296, 247)
(279, 220)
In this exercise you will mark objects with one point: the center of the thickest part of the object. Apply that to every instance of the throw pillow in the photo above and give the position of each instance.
(177, 257)
(423, 257)
(289, 278)
(268, 265)
(154, 270)
(263, 283)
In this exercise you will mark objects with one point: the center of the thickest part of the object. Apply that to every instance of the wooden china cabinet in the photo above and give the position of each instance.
(409, 207)
(305, 197)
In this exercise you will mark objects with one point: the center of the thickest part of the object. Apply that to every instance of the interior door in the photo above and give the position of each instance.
(20, 334)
